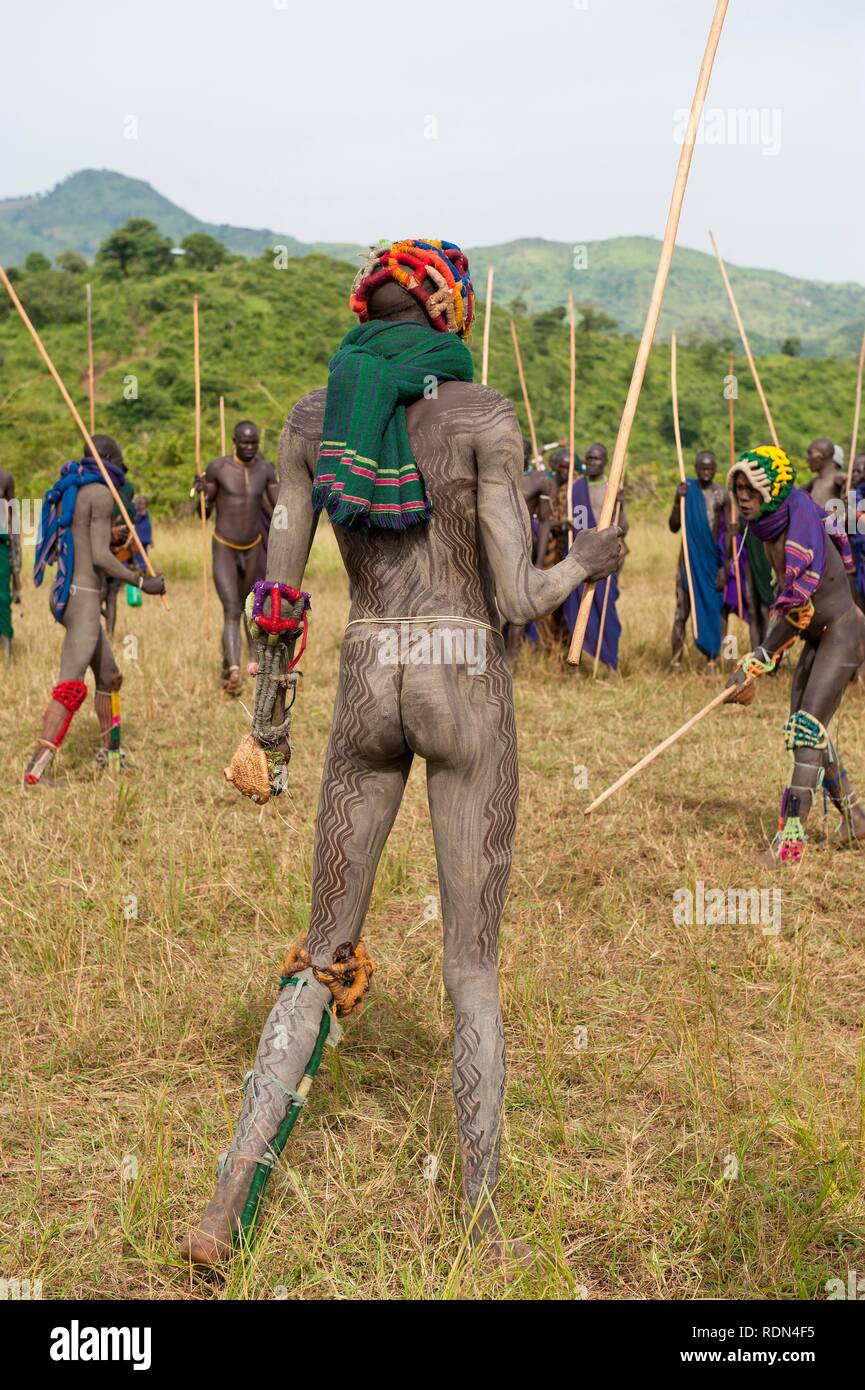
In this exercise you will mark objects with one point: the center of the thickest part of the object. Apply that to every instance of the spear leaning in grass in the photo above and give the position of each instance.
(664, 260)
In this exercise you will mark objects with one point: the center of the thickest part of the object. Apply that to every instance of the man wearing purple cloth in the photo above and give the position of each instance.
(811, 557)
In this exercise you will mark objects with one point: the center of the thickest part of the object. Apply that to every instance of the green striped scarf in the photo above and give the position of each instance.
(366, 474)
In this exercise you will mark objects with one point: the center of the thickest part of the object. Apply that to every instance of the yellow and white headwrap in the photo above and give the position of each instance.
(769, 471)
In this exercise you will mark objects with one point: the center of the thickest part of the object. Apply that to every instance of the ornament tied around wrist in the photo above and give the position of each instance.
(753, 664)
(276, 614)
(759, 662)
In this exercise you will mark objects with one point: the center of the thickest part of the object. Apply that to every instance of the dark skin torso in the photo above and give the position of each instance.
(827, 485)
(239, 491)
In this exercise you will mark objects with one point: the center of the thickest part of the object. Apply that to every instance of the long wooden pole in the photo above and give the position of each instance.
(202, 505)
(488, 319)
(734, 511)
(91, 376)
(719, 699)
(572, 417)
(745, 344)
(857, 410)
(617, 467)
(75, 413)
(526, 402)
(222, 425)
(680, 458)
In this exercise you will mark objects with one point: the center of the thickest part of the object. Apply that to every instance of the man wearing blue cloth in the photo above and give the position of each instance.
(588, 499)
(707, 513)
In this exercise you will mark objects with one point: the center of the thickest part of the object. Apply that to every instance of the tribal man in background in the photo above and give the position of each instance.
(239, 486)
(828, 481)
(419, 470)
(707, 519)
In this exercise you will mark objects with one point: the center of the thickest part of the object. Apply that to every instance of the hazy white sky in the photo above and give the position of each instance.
(555, 118)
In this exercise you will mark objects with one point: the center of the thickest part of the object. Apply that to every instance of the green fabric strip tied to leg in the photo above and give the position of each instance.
(249, 1215)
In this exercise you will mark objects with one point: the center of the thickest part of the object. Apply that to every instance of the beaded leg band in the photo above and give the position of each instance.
(68, 696)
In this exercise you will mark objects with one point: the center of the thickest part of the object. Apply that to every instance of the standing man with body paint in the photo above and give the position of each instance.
(423, 489)
(239, 486)
(75, 534)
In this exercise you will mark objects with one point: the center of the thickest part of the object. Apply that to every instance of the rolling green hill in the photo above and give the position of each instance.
(617, 276)
(80, 212)
(267, 336)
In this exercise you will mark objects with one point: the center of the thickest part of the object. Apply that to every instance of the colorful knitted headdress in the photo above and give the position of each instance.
(450, 305)
(769, 471)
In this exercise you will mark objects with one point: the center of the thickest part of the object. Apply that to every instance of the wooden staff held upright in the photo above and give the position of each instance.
(617, 467)
(91, 375)
(536, 453)
(572, 319)
(745, 344)
(734, 514)
(202, 503)
(856, 413)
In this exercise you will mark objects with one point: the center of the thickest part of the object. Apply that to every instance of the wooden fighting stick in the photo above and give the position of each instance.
(534, 438)
(572, 320)
(857, 410)
(745, 344)
(91, 375)
(202, 504)
(734, 514)
(721, 698)
(626, 423)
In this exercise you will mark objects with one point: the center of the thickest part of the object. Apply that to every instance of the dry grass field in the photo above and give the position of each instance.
(685, 1111)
